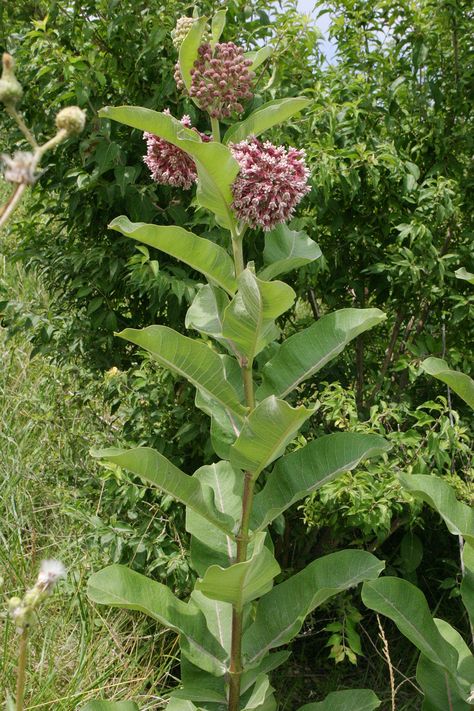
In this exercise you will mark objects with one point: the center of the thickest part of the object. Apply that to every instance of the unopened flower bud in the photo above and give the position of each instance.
(10, 88)
(72, 119)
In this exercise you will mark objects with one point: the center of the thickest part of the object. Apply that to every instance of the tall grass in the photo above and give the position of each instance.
(77, 652)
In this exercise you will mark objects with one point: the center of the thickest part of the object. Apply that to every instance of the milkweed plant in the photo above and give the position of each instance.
(236, 622)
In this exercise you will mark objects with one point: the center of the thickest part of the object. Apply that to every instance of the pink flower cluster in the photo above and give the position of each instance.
(168, 164)
(220, 80)
(271, 182)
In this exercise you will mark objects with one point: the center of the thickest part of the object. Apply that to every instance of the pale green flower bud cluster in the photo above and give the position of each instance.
(183, 25)
(10, 88)
(22, 610)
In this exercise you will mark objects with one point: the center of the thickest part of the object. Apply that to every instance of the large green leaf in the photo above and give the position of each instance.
(262, 698)
(155, 469)
(119, 586)
(266, 116)
(188, 51)
(249, 318)
(110, 706)
(406, 605)
(206, 313)
(298, 473)
(281, 612)
(217, 25)
(216, 167)
(266, 433)
(458, 517)
(259, 56)
(462, 273)
(192, 359)
(208, 546)
(242, 582)
(350, 700)
(303, 354)
(285, 250)
(467, 583)
(459, 382)
(201, 254)
(440, 689)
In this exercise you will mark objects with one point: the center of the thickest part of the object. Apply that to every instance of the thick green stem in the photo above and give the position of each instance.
(235, 671)
(21, 672)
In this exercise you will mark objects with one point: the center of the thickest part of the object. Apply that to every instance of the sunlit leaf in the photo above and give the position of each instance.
(305, 353)
(460, 383)
(199, 253)
(296, 597)
(305, 470)
(350, 700)
(286, 250)
(266, 116)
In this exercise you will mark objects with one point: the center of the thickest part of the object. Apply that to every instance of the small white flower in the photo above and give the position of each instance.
(50, 572)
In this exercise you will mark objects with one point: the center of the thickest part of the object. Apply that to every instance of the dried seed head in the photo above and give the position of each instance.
(10, 88)
(20, 168)
(271, 182)
(72, 119)
(50, 572)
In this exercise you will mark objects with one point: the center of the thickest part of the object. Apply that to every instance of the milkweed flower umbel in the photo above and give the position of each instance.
(270, 184)
(168, 164)
(220, 79)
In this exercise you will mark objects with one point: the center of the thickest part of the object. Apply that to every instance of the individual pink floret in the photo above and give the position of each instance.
(270, 184)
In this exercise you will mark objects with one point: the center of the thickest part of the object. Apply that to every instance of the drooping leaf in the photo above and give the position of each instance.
(249, 318)
(406, 605)
(297, 474)
(189, 358)
(208, 546)
(215, 164)
(268, 663)
(155, 469)
(303, 354)
(286, 250)
(350, 700)
(217, 25)
(262, 698)
(266, 433)
(201, 254)
(459, 382)
(242, 582)
(121, 587)
(296, 597)
(110, 706)
(188, 51)
(440, 689)
(462, 273)
(177, 704)
(266, 116)
(218, 616)
(259, 57)
(458, 517)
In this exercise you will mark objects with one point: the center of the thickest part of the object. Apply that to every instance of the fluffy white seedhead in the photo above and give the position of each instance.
(50, 572)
